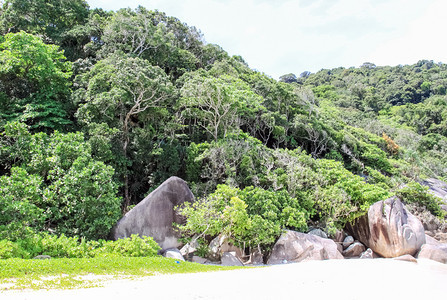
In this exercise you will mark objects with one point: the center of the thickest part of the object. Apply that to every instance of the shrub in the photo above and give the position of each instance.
(250, 217)
(10, 249)
(19, 214)
(418, 194)
(73, 247)
(134, 246)
(58, 186)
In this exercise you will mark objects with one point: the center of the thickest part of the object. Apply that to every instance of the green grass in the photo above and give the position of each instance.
(67, 273)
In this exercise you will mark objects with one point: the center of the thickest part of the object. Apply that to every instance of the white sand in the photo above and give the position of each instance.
(334, 279)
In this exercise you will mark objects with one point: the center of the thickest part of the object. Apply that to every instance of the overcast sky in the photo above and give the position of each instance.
(291, 36)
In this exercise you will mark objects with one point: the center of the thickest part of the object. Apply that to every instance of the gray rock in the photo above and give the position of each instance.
(199, 260)
(437, 187)
(389, 229)
(189, 248)
(295, 246)
(256, 258)
(339, 236)
(318, 232)
(219, 245)
(368, 254)
(434, 252)
(173, 253)
(431, 241)
(348, 241)
(229, 259)
(406, 257)
(42, 257)
(354, 250)
(155, 215)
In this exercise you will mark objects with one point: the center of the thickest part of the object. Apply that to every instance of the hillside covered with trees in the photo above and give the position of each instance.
(98, 108)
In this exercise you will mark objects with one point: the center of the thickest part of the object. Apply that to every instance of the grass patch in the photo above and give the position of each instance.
(66, 273)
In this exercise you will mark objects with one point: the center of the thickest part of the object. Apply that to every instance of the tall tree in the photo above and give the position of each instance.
(49, 19)
(34, 82)
(217, 105)
(125, 93)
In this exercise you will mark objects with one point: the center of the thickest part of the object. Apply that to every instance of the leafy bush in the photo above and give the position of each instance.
(19, 195)
(73, 247)
(134, 246)
(248, 217)
(56, 184)
(10, 249)
(343, 196)
(418, 194)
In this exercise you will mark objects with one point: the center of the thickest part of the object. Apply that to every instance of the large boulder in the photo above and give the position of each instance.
(219, 245)
(434, 252)
(389, 229)
(173, 253)
(230, 260)
(354, 250)
(295, 246)
(437, 187)
(155, 215)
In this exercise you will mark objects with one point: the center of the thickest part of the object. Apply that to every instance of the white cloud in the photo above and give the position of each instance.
(424, 39)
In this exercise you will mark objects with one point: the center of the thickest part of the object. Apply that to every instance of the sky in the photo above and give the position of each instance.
(278, 37)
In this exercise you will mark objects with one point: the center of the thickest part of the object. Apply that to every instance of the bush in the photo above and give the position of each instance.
(134, 246)
(58, 186)
(10, 249)
(19, 214)
(418, 194)
(250, 217)
(73, 247)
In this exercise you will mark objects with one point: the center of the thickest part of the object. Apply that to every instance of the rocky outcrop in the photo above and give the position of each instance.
(155, 215)
(389, 229)
(318, 232)
(295, 246)
(173, 253)
(437, 187)
(229, 259)
(406, 257)
(354, 250)
(434, 252)
(348, 241)
(219, 245)
(368, 254)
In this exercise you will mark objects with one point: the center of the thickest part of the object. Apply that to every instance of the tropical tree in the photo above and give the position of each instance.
(217, 105)
(34, 82)
(127, 94)
(50, 19)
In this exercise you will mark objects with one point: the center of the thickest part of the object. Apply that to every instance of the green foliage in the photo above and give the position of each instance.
(130, 96)
(217, 105)
(418, 194)
(51, 19)
(34, 84)
(134, 246)
(57, 183)
(248, 217)
(161, 40)
(10, 249)
(20, 195)
(343, 196)
(73, 247)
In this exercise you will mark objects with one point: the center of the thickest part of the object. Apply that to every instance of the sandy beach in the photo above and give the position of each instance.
(333, 279)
